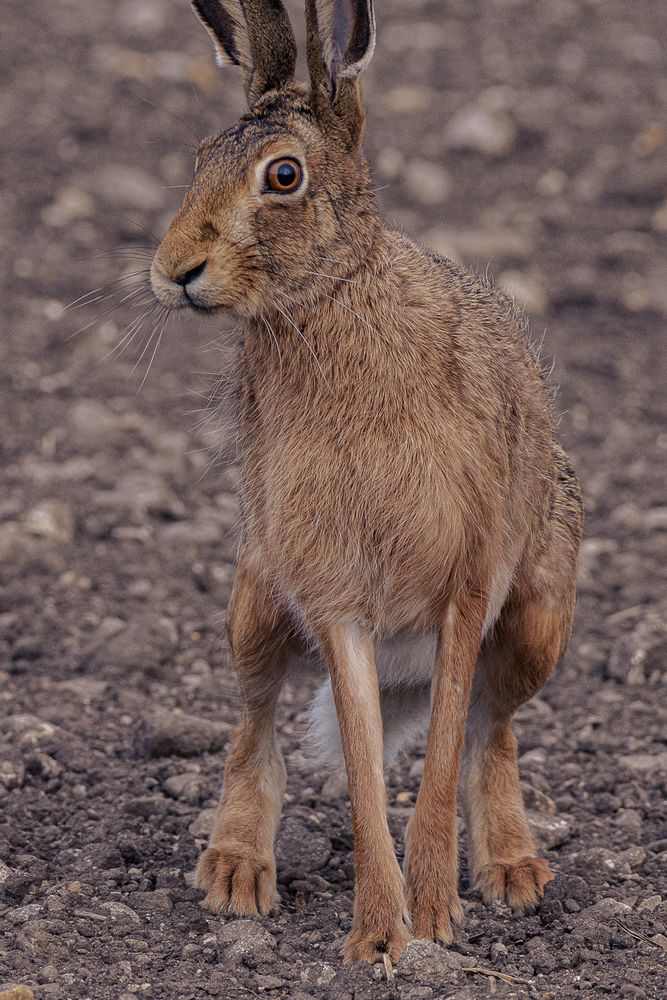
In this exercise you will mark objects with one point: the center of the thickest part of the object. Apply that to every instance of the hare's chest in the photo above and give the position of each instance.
(345, 519)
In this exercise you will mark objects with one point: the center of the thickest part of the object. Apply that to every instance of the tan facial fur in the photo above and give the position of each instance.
(402, 494)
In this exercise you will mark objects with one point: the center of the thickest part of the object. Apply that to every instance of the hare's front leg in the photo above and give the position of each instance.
(378, 927)
(431, 861)
(238, 868)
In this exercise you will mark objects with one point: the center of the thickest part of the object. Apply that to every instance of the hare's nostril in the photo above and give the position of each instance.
(188, 276)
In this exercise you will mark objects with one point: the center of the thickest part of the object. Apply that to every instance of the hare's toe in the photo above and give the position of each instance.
(236, 878)
(364, 945)
(520, 883)
(434, 916)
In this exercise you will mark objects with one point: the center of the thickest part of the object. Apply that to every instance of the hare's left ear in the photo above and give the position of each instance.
(341, 40)
(255, 35)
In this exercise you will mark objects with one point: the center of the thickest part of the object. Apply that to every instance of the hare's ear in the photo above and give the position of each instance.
(341, 40)
(255, 35)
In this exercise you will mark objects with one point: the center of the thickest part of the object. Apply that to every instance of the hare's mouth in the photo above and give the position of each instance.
(183, 291)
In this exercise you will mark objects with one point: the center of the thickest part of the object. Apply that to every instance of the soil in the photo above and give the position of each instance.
(526, 136)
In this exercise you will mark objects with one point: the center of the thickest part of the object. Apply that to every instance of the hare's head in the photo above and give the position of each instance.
(284, 194)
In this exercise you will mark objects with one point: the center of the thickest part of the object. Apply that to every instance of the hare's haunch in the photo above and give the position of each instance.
(406, 512)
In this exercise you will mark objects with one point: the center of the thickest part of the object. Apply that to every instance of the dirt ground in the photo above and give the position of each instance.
(526, 135)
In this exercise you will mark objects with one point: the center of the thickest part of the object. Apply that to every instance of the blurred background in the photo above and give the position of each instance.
(523, 137)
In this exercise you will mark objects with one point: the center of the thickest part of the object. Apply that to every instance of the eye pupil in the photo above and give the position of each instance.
(284, 175)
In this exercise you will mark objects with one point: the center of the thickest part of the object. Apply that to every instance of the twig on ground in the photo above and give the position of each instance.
(494, 974)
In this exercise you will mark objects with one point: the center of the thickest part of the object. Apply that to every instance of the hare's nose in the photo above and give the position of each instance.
(187, 276)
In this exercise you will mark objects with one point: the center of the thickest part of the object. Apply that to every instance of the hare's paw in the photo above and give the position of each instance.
(236, 877)
(366, 944)
(434, 911)
(520, 883)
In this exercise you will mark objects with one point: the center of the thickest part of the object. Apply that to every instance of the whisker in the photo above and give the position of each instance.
(155, 350)
(334, 277)
(79, 303)
(343, 306)
(108, 312)
(306, 342)
(275, 341)
(133, 329)
(139, 225)
(175, 117)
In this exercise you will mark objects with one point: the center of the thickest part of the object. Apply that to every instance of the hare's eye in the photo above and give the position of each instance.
(283, 175)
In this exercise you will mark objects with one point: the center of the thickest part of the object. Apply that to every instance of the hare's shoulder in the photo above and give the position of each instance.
(474, 293)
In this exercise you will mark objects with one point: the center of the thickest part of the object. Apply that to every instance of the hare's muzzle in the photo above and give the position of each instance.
(177, 287)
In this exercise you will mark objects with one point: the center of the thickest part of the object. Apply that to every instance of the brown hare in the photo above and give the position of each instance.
(406, 512)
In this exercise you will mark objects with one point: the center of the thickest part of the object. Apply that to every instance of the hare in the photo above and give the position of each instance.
(406, 512)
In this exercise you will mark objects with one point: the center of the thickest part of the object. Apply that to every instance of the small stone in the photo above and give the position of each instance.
(245, 941)
(120, 913)
(270, 982)
(144, 644)
(427, 182)
(537, 800)
(180, 734)
(645, 763)
(48, 974)
(69, 204)
(201, 827)
(491, 133)
(650, 904)
(608, 907)
(636, 654)
(153, 904)
(12, 774)
(604, 861)
(549, 831)
(429, 962)
(5, 872)
(51, 519)
(635, 855)
(300, 849)
(186, 787)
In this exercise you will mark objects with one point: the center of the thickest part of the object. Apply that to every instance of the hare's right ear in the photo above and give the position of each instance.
(255, 35)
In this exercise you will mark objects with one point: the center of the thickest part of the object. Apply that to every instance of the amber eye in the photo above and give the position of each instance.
(284, 175)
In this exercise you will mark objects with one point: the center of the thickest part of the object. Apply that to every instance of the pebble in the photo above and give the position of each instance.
(636, 654)
(186, 787)
(650, 904)
(427, 182)
(12, 774)
(244, 941)
(645, 763)
(144, 644)
(178, 733)
(300, 848)
(549, 831)
(428, 961)
(201, 827)
(120, 913)
(51, 519)
(492, 133)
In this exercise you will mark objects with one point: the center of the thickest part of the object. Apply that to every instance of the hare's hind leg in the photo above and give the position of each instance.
(530, 637)
(238, 868)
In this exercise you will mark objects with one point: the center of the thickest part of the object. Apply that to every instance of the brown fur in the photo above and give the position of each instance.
(399, 476)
